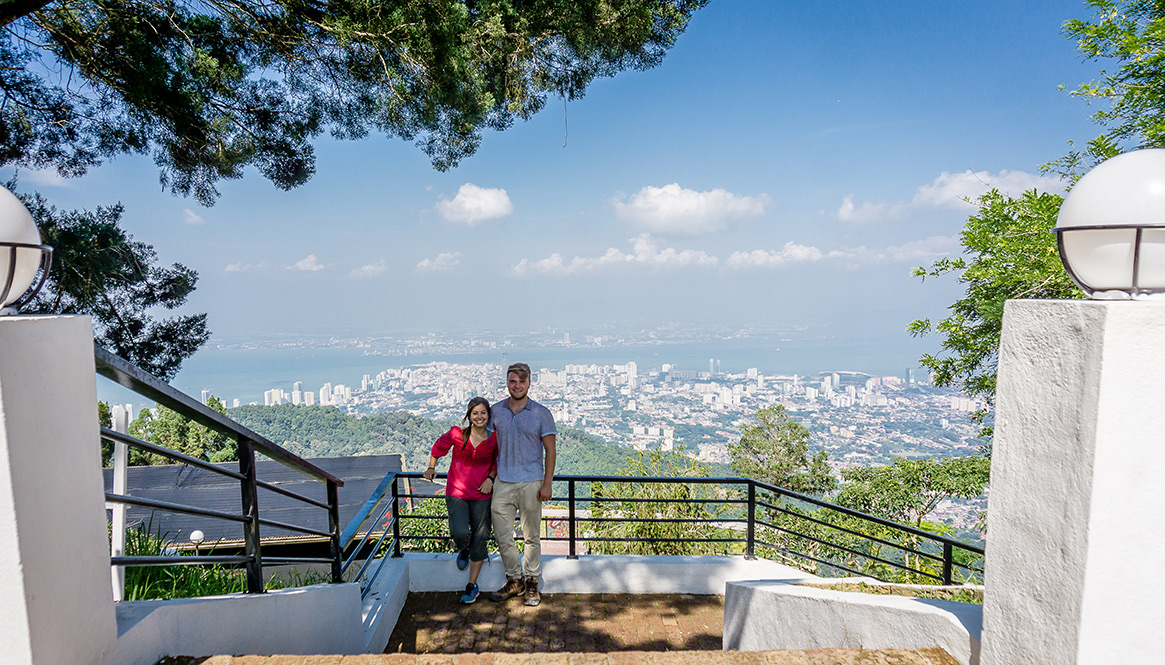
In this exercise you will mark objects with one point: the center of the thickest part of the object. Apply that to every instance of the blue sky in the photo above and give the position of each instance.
(787, 164)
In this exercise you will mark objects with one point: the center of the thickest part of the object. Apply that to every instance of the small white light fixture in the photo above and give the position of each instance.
(1111, 228)
(21, 255)
(197, 536)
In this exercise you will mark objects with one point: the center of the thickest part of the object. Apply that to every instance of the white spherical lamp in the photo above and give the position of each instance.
(1111, 228)
(197, 536)
(21, 254)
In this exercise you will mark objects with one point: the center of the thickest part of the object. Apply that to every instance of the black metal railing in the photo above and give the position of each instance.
(723, 515)
(249, 443)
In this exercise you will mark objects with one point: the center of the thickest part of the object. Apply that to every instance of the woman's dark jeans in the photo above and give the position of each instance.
(469, 524)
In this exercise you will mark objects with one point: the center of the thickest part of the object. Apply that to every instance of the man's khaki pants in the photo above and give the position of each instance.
(510, 499)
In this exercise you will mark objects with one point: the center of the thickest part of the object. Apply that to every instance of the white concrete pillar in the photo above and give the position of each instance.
(55, 602)
(1075, 543)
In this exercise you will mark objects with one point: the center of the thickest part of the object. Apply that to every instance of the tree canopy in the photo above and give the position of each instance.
(909, 490)
(775, 450)
(100, 270)
(209, 87)
(1009, 250)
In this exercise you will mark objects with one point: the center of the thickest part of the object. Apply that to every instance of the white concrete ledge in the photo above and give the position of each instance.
(700, 575)
(321, 619)
(772, 614)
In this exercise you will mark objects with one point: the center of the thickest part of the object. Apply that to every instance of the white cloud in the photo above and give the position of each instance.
(474, 205)
(949, 190)
(191, 217)
(370, 270)
(309, 262)
(238, 267)
(644, 251)
(928, 249)
(791, 252)
(673, 209)
(444, 261)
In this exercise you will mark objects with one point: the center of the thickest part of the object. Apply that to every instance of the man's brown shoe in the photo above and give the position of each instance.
(512, 588)
(532, 595)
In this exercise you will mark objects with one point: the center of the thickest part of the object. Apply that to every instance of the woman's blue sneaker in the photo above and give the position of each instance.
(470, 594)
(463, 559)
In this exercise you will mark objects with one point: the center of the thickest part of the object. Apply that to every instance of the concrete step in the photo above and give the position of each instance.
(932, 656)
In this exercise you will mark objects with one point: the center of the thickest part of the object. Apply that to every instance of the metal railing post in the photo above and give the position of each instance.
(395, 518)
(573, 554)
(251, 511)
(750, 546)
(948, 563)
(334, 528)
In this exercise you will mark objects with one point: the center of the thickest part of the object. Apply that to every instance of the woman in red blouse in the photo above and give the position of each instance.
(472, 470)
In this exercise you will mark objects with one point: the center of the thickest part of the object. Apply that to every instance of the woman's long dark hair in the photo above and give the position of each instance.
(473, 404)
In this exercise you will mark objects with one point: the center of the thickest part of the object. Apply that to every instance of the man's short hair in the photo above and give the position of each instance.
(521, 369)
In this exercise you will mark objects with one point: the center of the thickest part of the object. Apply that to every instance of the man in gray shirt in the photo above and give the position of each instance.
(526, 435)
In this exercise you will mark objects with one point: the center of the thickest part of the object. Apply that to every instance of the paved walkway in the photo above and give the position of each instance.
(436, 623)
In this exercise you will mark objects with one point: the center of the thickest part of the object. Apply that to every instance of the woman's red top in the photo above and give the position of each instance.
(469, 466)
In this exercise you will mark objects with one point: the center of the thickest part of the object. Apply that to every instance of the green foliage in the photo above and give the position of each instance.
(167, 428)
(620, 504)
(100, 270)
(1129, 34)
(324, 431)
(429, 520)
(775, 450)
(1009, 252)
(208, 88)
(909, 490)
(167, 582)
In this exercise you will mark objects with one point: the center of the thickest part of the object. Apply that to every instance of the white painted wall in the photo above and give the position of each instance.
(701, 575)
(52, 516)
(1077, 485)
(760, 616)
(321, 619)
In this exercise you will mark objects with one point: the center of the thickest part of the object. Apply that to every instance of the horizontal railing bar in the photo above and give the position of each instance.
(648, 540)
(134, 378)
(111, 435)
(294, 527)
(854, 552)
(177, 560)
(291, 561)
(611, 499)
(851, 532)
(702, 520)
(628, 479)
(173, 507)
(814, 559)
(857, 513)
(294, 495)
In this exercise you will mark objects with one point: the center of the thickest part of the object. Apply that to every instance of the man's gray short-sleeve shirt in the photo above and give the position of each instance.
(520, 451)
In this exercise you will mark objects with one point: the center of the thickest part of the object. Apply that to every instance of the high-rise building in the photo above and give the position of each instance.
(711, 365)
(205, 395)
(309, 399)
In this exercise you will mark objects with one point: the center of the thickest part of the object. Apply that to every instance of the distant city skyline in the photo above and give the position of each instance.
(787, 164)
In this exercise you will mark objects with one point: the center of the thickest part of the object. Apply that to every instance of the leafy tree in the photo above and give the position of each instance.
(1130, 35)
(624, 501)
(208, 88)
(909, 490)
(1009, 252)
(776, 450)
(906, 492)
(167, 428)
(100, 270)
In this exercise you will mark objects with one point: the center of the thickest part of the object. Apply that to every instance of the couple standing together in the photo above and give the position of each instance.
(502, 466)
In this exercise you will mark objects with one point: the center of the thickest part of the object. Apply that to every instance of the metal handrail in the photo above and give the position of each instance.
(147, 385)
(750, 522)
(123, 372)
